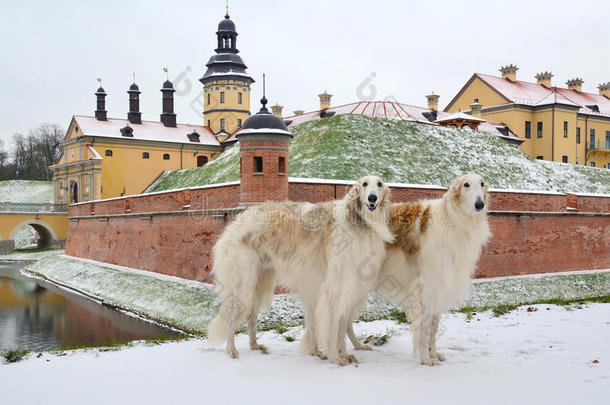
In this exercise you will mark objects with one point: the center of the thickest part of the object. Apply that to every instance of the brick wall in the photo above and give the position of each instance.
(269, 184)
(158, 234)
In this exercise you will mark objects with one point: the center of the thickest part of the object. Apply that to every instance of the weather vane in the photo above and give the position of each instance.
(227, 7)
(134, 77)
(99, 80)
(166, 74)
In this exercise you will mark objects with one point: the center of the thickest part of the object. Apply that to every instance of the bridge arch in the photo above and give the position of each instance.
(45, 231)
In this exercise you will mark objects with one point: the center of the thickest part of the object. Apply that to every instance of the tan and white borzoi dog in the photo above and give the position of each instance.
(294, 245)
(429, 265)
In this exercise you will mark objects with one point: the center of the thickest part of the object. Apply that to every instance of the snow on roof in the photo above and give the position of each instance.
(459, 116)
(521, 92)
(397, 111)
(146, 131)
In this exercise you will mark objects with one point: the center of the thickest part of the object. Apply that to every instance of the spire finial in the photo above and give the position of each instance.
(99, 80)
(166, 73)
(134, 76)
(227, 7)
(264, 99)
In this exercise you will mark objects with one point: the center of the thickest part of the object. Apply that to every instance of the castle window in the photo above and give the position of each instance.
(539, 130)
(145, 155)
(592, 139)
(209, 124)
(565, 129)
(222, 97)
(239, 122)
(540, 157)
(222, 124)
(528, 129)
(208, 98)
(564, 159)
(238, 98)
(258, 164)
(166, 156)
(578, 135)
(201, 160)
(76, 129)
(108, 152)
(592, 164)
(282, 165)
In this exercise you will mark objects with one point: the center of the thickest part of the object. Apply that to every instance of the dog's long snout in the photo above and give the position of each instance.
(372, 198)
(479, 204)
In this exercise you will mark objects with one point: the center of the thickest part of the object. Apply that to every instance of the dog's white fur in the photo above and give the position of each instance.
(293, 245)
(429, 266)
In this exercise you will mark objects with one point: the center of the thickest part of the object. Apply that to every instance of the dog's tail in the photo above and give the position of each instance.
(219, 327)
(235, 273)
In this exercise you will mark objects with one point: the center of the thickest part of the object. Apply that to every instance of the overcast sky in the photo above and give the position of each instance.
(53, 51)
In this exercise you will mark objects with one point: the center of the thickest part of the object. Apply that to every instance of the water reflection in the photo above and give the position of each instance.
(42, 317)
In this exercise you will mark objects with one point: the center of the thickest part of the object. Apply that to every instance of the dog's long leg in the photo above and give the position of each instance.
(252, 318)
(231, 325)
(433, 332)
(355, 342)
(309, 344)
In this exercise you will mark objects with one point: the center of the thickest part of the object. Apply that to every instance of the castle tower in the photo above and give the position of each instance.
(134, 115)
(226, 85)
(263, 145)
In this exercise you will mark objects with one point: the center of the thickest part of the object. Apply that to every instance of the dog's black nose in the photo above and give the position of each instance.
(372, 198)
(479, 205)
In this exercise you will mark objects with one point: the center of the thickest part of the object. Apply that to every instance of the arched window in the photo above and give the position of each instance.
(108, 152)
(166, 156)
(145, 155)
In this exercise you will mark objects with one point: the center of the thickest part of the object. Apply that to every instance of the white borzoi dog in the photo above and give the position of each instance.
(293, 245)
(429, 265)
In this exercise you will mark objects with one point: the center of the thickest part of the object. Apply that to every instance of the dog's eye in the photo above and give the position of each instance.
(466, 185)
(482, 184)
(365, 184)
(379, 184)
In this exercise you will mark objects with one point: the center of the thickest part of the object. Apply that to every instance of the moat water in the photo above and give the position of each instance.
(40, 316)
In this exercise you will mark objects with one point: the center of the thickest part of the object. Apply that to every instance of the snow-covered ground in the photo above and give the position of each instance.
(30, 256)
(552, 355)
(26, 191)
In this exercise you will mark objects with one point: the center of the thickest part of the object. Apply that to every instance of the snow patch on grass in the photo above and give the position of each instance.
(345, 147)
(189, 305)
(27, 191)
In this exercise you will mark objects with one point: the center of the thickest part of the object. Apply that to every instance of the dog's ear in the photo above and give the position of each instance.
(455, 189)
(386, 194)
(353, 202)
(487, 196)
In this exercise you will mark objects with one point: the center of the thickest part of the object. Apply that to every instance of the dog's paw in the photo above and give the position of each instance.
(260, 347)
(429, 361)
(233, 353)
(321, 355)
(340, 361)
(363, 347)
(351, 358)
(439, 356)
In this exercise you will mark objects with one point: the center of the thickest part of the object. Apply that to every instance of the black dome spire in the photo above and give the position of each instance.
(263, 121)
(226, 61)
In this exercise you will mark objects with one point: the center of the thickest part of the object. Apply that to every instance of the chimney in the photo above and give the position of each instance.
(604, 89)
(277, 110)
(575, 84)
(168, 118)
(475, 108)
(299, 112)
(509, 72)
(100, 113)
(432, 101)
(325, 100)
(134, 115)
(544, 79)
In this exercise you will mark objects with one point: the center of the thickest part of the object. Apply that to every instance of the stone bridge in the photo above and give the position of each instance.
(49, 220)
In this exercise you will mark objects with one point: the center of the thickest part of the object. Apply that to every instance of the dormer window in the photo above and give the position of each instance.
(193, 137)
(127, 132)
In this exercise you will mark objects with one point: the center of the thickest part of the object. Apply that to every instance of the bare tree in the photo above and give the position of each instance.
(33, 154)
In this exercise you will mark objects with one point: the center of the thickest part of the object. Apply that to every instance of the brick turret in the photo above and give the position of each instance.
(263, 143)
